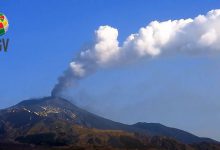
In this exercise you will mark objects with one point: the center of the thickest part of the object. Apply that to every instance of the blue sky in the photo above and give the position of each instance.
(177, 91)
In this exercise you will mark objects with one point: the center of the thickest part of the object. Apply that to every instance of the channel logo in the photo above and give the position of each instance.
(3, 29)
(3, 24)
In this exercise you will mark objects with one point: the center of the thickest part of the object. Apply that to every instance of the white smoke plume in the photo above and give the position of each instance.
(189, 36)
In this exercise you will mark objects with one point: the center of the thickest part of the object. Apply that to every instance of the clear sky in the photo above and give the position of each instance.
(178, 91)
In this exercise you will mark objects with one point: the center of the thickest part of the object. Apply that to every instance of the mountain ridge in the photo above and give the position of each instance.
(59, 108)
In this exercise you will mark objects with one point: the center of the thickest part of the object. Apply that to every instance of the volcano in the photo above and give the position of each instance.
(54, 121)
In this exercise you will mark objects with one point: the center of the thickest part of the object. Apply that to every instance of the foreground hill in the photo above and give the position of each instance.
(53, 121)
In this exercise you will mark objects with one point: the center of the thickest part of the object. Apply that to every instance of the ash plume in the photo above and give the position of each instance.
(200, 35)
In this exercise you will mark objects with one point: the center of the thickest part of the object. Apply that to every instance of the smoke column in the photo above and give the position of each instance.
(200, 35)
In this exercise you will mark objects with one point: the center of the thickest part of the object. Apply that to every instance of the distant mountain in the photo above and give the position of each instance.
(180, 135)
(55, 121)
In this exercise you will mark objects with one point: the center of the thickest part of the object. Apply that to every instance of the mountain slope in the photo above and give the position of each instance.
(161, 130)
(56, 121)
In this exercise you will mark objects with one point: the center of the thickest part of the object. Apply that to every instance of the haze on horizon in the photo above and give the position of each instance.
(178, 89)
